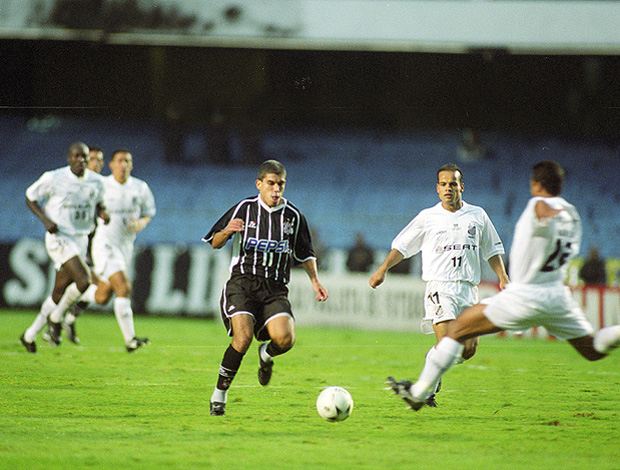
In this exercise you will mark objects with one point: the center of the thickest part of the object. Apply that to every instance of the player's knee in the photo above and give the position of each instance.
(468, 353)
(241, 341)
(82, 284)
(285, 341)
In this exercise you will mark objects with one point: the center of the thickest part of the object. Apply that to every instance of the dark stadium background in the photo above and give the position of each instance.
(575, 96)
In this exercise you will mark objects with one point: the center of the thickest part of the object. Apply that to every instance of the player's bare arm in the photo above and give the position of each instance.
(545, 211)
(392, 259)
(137, 225)
(221, 237)
(102, 213)
(34, 206)
(311, 269)
(497, 264)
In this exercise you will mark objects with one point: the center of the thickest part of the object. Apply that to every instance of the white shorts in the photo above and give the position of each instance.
(445, 301)
(61, 248)
(523, 306)
(109, 259)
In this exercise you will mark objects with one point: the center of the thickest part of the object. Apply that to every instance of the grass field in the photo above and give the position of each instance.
(519, 404)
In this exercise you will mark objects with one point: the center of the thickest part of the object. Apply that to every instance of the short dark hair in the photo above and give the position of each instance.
(120, 150)
(451, 167)
(95, 148)
(550, 175)
(271, 166)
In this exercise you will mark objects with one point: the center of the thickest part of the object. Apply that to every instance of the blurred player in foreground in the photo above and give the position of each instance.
(73, 196)
(269, 233)
(132, 206)
(452, 236)
(547, 236)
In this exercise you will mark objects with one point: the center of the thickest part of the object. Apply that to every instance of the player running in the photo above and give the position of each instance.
(72, 195)
(132, 206)
(547, 236)
(269, 233)
(452, 236)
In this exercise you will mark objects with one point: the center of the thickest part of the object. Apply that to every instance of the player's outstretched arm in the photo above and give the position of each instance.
(497, 264)
(392, 259)
(311, 269)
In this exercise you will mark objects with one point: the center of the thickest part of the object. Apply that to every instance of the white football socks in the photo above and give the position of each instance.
(70, 297)
(262, 350)
(437, 363)
(89, 294)
(429, 355)
(124, 317)
(607, 339)
(219, 395)
(41, 320)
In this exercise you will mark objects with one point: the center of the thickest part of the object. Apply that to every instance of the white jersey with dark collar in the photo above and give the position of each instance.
(451, 242)
(541, 249)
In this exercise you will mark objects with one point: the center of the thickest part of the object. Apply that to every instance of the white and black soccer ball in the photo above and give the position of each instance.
(334, 404)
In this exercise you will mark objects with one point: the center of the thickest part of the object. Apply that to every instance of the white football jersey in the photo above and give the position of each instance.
(70, 201)
(133, 199)
(451, 242)
(541, 249)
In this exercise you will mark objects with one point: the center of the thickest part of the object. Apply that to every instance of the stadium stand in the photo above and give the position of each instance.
(344, 181)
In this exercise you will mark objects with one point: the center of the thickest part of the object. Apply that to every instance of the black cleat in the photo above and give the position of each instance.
(136, 343)
(264, 370)
(403, 390)
(217, 408)
(430, 401)
(30, 347)
(54, 332)
(79, 308)
(71, 333)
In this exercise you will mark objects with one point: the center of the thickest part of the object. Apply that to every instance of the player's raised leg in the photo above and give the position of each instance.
(281, 330)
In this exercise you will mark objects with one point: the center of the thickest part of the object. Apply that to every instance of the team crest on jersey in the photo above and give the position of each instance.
(287, 227)
(471, 230)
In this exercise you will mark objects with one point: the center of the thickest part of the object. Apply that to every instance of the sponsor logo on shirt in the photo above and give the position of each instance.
(265, 246)
(456, 247)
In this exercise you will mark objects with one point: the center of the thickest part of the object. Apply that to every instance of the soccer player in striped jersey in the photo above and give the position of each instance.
(269, 233)
(547, 236)
(452, 236)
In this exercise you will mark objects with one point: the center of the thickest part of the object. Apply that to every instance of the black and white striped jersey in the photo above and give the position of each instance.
(272, 238)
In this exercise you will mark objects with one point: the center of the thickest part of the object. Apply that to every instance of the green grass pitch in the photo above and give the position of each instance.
(519, 404)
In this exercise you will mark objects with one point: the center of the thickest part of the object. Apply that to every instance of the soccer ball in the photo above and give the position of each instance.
(334, 404)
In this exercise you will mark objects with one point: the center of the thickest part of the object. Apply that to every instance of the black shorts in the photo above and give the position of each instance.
(259, 297)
